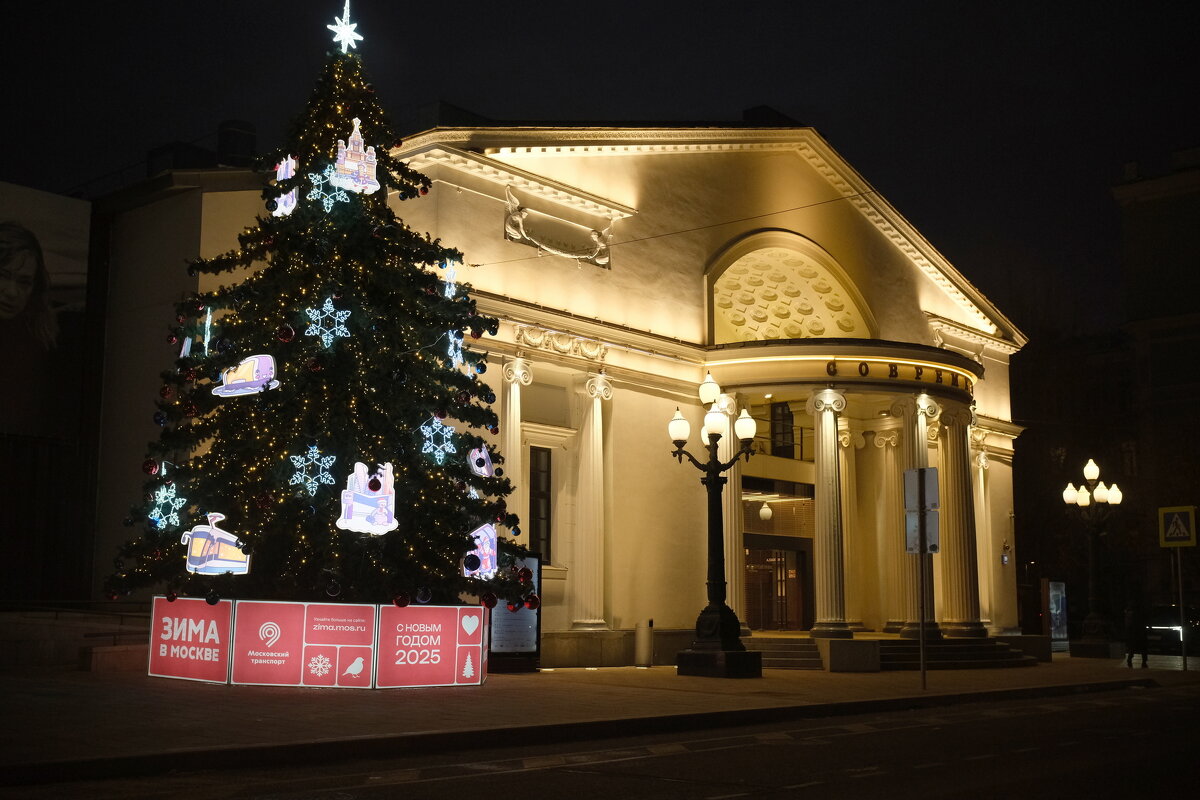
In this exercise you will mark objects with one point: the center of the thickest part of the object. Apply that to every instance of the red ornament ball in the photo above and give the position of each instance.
(424, 190)
(515, 605)
(532, 602)
(375, 484)
(172, 597)
(488, 600)
(524, 574)
(285, 333)
(190, 375)
(401, 599)
(190, 409)
(172, 339)
(264, 500)
(150, 466)
(180, 318)
(495, 429)
(167, 391)
(314, 365)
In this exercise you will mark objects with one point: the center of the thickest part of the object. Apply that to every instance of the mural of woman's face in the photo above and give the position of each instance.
(17, 277)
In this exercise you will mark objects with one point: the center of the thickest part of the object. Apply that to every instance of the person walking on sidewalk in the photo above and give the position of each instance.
(1135, 633)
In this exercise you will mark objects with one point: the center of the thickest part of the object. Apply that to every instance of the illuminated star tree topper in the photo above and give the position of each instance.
(343, 30)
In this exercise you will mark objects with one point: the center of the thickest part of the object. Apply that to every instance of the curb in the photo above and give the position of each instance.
(388, 745)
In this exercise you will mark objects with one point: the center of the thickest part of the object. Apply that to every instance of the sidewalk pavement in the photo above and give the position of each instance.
(69, 725)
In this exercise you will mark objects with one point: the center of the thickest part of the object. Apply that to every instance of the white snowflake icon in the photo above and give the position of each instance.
(314, 459)
(319, 665)
(438, 440)
(327, 322)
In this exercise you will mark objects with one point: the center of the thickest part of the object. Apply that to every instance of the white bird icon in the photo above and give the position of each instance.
(355, 668)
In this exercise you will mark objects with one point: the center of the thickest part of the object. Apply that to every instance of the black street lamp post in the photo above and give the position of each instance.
(717, 651)
(1095, 503)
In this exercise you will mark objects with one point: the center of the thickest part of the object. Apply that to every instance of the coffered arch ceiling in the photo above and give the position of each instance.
(781, 292)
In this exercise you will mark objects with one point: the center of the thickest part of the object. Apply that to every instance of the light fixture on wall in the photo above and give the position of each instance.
(765, 512)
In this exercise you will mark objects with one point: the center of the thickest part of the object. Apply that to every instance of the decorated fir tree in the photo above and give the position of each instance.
(320, 430)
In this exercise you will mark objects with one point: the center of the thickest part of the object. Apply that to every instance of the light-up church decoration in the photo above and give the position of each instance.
(354, 169)
(253, 375)
(213, 551)
(286, 203)
(369, 501)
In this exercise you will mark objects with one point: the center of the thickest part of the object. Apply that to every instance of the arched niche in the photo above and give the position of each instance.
(779, 285)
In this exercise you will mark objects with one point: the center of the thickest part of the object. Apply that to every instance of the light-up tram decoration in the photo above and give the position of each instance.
(213, 551)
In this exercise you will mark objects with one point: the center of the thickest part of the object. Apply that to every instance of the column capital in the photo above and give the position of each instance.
(958, 415)
(847, 437)
(517, 370)
(887, 438)
(599, 386)
(826, 400)
(982, 461)
(934, 430)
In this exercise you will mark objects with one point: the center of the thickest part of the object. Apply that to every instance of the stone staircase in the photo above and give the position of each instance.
(785, 653)
(898, 654)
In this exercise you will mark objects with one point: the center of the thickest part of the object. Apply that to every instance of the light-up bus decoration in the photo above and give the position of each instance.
(212, 551)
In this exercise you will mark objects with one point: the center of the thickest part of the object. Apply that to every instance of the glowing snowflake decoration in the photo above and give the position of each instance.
(343, 30)
(327, 322)
(319, 665)
(166, 507)
(451, 274)
(320, 189)
(314, 461)
(455, 350)
(439, 440)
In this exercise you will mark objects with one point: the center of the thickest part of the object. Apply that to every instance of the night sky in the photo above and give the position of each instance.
(997, 129)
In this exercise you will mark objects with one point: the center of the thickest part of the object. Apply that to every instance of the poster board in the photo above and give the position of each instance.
(190, 639)
(303, 644)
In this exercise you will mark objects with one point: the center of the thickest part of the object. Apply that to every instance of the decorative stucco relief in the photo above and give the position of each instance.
(562, 343)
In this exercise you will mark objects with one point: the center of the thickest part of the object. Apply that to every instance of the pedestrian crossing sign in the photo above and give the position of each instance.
(1177, 526)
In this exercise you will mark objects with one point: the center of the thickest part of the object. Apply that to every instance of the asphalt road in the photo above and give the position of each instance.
(1127, 743)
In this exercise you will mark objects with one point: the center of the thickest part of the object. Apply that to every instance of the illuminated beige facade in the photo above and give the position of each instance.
(627, 263)
(624, 264)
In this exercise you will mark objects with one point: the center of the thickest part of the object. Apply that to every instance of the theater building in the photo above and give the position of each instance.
(625, 265)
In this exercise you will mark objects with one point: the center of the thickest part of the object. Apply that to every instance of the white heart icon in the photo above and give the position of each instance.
(469, 624)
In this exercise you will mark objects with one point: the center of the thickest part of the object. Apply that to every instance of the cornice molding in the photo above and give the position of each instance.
(506, 176)
(942, 325)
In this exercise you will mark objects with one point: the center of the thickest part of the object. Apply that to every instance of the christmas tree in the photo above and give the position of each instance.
(320, 430)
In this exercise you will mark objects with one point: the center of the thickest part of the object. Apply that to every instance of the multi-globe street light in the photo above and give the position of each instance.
(1095, 503)
(717, 651)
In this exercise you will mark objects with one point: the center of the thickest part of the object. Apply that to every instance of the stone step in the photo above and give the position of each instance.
(786, 653)
(951, 654)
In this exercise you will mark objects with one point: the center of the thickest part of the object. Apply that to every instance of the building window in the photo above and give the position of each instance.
(538, 523)
(783, 435)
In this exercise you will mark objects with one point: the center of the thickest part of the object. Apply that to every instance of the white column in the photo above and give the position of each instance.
(916, 415)
(852, 543)
(824, 406)
(731, 511)
(980, 463)
(587, 571)
(891, 532)
(517, 373)
(960, 568)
